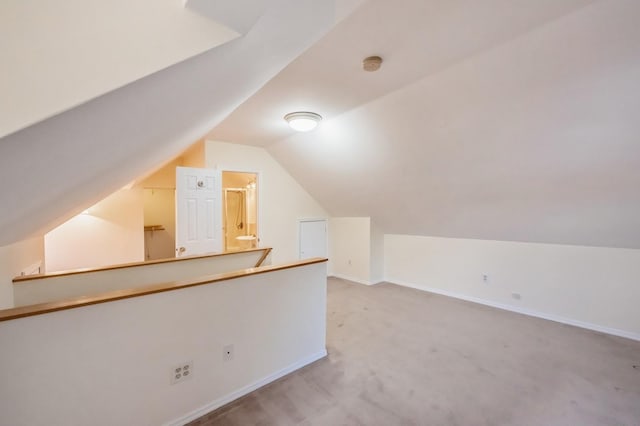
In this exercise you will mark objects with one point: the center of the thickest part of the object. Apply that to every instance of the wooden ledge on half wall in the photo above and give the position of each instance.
(265, 250)
(77, 302)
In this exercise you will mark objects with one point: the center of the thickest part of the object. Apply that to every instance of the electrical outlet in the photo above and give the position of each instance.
(516, 296)
(181, 372)
(227, 353)
(349, 262)
(485, 278)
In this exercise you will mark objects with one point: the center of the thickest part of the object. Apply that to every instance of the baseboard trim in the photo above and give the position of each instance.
(246, 389)
(524, 311)
(355, 280)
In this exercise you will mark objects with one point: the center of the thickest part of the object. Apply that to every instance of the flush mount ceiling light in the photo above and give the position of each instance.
(303, 121)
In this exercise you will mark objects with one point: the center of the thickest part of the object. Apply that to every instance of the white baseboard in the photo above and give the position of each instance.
(355, 280)
(524, 311)
(246, 389)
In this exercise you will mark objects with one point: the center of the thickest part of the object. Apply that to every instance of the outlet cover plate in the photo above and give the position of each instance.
(181, 372)
(227, 353)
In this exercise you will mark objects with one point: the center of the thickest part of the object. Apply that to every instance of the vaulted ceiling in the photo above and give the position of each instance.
(57, 55)
(87, 133)
(501, 119)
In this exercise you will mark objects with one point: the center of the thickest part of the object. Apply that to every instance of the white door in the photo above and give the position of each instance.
(198, 211)
(313, 238)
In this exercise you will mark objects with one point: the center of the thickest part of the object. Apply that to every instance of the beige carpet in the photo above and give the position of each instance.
(399, 356)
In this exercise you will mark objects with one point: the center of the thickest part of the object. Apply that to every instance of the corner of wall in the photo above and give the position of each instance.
(14, 259)
(377, 255)
(355, 249)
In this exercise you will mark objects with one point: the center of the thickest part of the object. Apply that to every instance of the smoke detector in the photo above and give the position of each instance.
(372, 63)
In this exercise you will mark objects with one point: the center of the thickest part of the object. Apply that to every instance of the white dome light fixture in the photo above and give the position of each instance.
(303, 121)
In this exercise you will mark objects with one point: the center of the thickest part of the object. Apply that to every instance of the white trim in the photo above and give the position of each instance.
(312, 219)
(245, 390)
(326, 232)
(355, 280)
(530, 312)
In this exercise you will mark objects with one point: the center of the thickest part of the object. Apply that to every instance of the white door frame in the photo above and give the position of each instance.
(259, 183)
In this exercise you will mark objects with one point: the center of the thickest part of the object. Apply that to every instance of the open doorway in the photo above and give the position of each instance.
(159, 200)
(240, 210)
(159, 223)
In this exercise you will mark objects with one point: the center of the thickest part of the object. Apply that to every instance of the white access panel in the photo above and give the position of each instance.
(313, 238)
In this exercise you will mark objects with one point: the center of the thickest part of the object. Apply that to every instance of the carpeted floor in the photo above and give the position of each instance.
(399, 356)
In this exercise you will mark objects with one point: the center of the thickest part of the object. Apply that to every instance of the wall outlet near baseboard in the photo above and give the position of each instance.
(227, 353)
(181, 372)
(516, 296)
(485, 278)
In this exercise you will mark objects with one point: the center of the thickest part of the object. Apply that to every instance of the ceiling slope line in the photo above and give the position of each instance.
(57, 58)
(532, 141)
(58, 166)
(241, 15)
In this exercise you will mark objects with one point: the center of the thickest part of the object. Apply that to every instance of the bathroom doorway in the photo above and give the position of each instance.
(240, 208)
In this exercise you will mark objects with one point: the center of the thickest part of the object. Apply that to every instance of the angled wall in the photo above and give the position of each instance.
(111, 232)
(62, 165)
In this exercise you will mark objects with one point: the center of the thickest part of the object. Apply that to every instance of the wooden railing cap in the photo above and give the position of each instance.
(77, 302)
(132, 264)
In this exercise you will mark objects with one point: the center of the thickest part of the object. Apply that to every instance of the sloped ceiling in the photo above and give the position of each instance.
(56, 167)
(58, 54)
(507, 120)
(415, 37)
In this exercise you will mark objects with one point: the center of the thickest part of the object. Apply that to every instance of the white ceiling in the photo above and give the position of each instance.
(415, 37)
(59, 54)
(502, 119)
(53, 169)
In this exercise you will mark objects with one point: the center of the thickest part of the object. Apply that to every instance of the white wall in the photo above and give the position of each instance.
(349, 248)
(593, 287)
(14, 259)
(281, 200)
(90, 283)
(104, 40)
(110, 364)
(376, 262)
(112, 233)
(356, 250)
